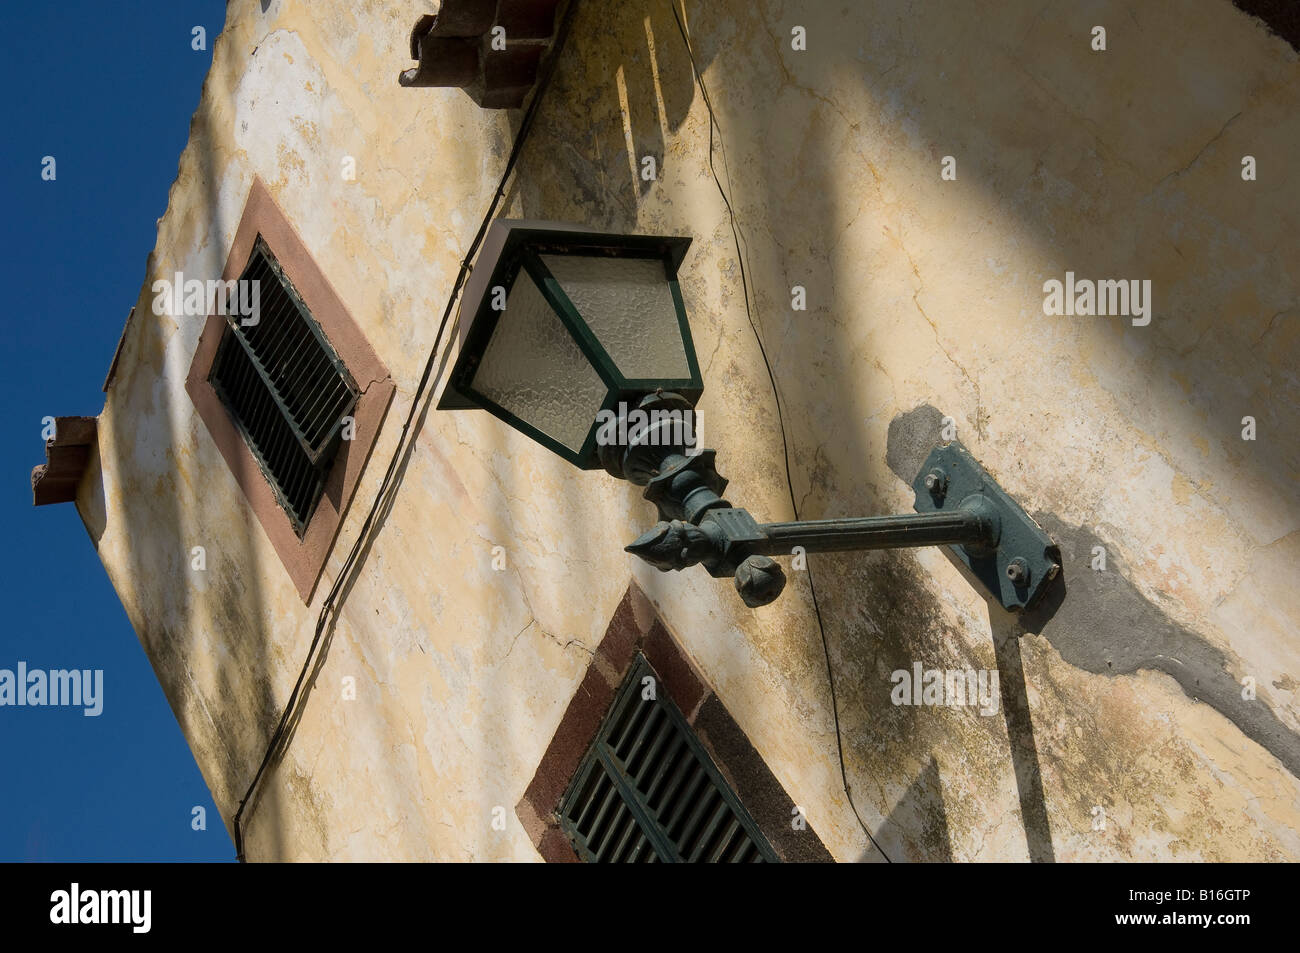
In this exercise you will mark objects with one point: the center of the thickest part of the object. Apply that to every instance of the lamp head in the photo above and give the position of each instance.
(564, 326)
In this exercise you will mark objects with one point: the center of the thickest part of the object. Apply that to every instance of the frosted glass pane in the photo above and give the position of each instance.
(628, 306)
(533, 368)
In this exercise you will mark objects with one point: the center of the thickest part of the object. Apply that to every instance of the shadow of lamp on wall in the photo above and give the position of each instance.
(579, 339)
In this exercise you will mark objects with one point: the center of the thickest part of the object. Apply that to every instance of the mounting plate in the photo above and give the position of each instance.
(1021, 541)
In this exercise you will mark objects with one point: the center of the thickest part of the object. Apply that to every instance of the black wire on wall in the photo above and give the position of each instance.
(742, 255)
(297, 699)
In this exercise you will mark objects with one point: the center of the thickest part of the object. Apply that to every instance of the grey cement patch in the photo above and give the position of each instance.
(1105, 625)
(921, 810)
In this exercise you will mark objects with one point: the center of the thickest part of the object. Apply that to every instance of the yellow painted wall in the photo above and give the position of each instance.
(922, 293)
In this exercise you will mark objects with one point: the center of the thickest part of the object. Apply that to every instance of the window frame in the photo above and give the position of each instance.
(601, 756)
(303, 556)
(635, 627)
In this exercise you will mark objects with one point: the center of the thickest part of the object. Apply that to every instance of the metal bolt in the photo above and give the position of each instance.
(936, 481)
(1018, 572)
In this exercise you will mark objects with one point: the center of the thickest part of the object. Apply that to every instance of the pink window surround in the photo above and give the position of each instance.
(303, 558)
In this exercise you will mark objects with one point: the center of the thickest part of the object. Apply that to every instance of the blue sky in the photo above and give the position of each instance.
(108, 90)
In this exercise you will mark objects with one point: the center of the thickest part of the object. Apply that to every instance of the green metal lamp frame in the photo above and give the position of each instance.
(513, 246)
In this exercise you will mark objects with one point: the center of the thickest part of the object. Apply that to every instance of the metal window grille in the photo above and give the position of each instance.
(285, 387)
(647, 791)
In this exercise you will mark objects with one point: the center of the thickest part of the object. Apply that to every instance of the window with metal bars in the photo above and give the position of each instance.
(648, 792)
(285, 388)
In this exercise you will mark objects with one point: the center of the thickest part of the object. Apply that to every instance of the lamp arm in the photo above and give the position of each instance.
(959, 504)
(729, 542)
(974, 523)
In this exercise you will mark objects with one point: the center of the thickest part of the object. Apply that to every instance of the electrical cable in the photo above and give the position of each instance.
(330, 605)
(297, 698)
(742, 253)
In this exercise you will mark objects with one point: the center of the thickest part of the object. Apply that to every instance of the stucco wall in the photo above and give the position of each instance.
(924, 300)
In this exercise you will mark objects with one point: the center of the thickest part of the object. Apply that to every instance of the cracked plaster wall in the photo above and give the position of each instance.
(921, 294)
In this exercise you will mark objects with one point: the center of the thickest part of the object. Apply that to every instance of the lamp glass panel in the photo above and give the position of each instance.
(629, 307)
(534, 369)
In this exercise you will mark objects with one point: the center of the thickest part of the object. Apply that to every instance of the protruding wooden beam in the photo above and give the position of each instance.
(66, 455)
(489, 48)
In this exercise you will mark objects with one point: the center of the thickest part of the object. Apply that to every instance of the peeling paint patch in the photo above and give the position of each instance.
(1104, 625)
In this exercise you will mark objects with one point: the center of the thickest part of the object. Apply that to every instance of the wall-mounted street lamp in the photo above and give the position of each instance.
(580, 340)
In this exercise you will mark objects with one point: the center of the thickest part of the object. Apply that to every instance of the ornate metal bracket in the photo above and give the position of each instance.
(958, 505)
